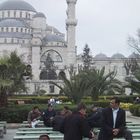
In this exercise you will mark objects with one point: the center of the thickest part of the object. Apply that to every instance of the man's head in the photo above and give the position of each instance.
(50, 107)
(114, 103)
(36, 109)
(44, 137)
(81, 108)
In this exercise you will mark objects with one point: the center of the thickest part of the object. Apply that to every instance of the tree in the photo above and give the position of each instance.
(86, 58)
(130, 65)
(134, 81)
(134, 42)
(11, 77)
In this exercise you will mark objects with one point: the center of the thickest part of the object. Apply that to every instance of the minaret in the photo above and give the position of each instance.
(71, 23)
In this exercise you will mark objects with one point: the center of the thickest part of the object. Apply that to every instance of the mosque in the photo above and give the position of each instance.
(43, 47)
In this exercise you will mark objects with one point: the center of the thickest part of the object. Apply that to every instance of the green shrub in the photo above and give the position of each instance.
(135, 110)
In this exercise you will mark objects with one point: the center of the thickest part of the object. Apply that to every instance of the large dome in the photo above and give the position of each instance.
(117, 56)
(16, 5)
(100, 56)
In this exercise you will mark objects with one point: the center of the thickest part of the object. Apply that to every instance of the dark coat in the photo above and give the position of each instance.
(95, 119)
(48, 117)
(75, 127)
(107, 123)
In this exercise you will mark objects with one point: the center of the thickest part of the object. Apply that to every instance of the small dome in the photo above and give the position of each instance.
(134, 55)
(52, 29)
(117, 56)
(16, 5)
(53, 38)
(13, 23)
(39, 14)
(100, 56)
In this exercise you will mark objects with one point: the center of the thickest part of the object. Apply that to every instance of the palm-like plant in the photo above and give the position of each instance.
(74, 88)
(100, 83)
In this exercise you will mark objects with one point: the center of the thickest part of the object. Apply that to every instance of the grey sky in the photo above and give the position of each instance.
(103, 24)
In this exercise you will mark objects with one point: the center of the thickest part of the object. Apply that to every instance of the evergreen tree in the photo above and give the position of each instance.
(86, 58)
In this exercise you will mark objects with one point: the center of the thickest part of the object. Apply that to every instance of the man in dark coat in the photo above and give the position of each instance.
(76, 126)
(114, 122)
(48, 116)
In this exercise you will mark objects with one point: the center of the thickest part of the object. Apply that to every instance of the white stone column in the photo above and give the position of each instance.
(71, 23)
(36, 43)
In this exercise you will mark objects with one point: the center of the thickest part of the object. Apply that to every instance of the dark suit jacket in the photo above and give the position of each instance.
(107, 123)
(75, 127)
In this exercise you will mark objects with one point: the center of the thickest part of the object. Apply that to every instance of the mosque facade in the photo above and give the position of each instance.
(43, 47)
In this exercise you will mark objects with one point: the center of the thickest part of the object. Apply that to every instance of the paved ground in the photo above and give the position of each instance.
(12, 128)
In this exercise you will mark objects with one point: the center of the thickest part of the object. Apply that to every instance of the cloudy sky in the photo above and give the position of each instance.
(103, 24)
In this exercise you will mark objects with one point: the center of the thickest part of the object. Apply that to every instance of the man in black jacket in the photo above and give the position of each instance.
(76, 126)
(114, 122)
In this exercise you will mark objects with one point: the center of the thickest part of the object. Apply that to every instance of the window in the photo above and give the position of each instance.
(21, 29)
(26, 15)
(6, 29)
(2, 29)
(25, 30)
(8, 13)
(23, 41)
(16, 29)
(5, 40)
(12, 29)
(12, 40)
(2, 14)
(51, 88)
(14, 13)
(20, 14)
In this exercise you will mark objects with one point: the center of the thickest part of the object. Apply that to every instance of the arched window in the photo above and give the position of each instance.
(61, 74)
(48, 75)
(55, 56)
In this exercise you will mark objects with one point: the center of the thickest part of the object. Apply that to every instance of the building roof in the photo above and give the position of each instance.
(16, 5)
(53, 38)
(100, 56)
(117, 56)
(39, 14)
(13, 23)
(15, 35)
(52, 29)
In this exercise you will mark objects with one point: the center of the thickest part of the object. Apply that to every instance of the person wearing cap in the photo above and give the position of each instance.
(48, 115)
(75, 126)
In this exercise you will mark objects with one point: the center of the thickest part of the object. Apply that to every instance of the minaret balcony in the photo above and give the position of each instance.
(71, 22)
(71, 1)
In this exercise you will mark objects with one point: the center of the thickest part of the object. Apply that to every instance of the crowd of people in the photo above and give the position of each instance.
(77, 124)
